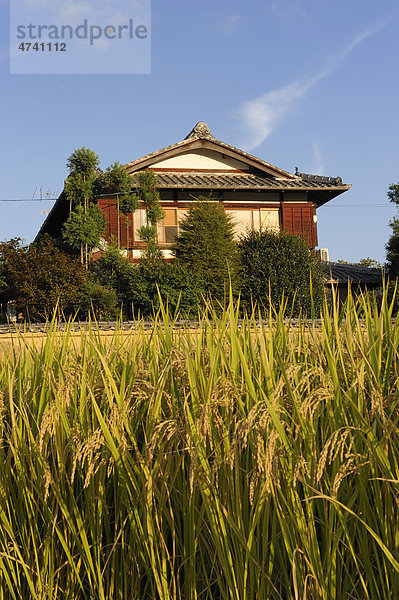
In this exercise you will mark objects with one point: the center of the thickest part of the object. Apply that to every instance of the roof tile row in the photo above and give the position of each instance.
(241, 180)
(342, 273)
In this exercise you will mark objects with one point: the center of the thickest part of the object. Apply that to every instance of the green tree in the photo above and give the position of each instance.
(137, 287)
(206, 244)
(80, 185)
(179, 286)
(84, 161)
(363, 262)
(369, 262)
(82, 188)
(7, 251)
(147, 193)
(40, 277)
(393, 193)
(114, 271)
(118, 181)
(100, 300)
(392, 246)
(83, 230)
(129, 203)
(3, 280)
(277, 265)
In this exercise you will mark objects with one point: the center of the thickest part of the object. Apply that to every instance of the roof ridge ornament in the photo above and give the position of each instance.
(202, 131)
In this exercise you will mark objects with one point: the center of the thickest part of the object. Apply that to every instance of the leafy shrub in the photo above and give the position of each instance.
(115, 272)
(392, 248)
(40, 277)
(277, 266)
(137, 287)
(175, 282)
(98, 300)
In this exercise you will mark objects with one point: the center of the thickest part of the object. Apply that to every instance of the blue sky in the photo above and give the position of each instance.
(311, 83)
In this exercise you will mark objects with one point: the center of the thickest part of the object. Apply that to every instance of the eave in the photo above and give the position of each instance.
(319, 192)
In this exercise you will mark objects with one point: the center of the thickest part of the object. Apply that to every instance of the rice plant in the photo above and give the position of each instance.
(242, 460)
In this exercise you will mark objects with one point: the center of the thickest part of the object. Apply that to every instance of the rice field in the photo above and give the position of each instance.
(241, 461)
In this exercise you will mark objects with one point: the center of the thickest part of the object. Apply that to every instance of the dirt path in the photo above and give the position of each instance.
(10, 341)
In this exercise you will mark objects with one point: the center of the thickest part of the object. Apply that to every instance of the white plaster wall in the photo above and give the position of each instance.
(165, 253)
(201, 159)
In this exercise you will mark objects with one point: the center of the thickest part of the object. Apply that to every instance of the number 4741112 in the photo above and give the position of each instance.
(43, 46)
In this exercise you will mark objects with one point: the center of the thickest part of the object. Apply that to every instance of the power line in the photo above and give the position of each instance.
(26, 199)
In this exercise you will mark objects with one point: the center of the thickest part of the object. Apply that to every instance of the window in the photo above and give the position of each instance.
(181, 214)
(245, 220)
(139, 221)
(269, 219)
(167, 228)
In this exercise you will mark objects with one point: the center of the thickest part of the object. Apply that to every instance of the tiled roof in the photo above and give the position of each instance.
(319, 178)
(201, 132)
(342, 273)
(172, 179)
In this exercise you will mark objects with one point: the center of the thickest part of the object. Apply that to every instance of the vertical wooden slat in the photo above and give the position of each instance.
(298, 219)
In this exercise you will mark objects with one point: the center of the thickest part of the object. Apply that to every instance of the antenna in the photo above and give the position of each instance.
(50, 196)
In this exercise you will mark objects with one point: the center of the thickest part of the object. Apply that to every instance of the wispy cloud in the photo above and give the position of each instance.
(259, 117)
(284, 9)
(318, 158)
(229, 24)
(75, 10)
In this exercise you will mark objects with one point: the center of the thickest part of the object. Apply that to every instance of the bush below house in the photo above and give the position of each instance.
(138, 287)
(277, 267)
(40, 279)
(265, 267)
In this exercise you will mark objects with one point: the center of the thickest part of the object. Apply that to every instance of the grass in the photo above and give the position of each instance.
(237, 462)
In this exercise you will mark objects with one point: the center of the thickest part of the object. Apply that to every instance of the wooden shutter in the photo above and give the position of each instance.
(298, 219)
(107, 206)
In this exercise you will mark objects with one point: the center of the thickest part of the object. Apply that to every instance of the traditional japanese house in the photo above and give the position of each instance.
(256, 193)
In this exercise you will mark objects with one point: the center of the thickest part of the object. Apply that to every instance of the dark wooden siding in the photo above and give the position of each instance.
(298, 219)
(108, 206)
